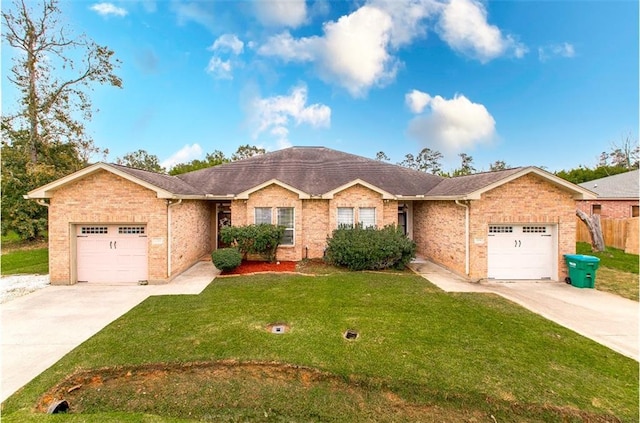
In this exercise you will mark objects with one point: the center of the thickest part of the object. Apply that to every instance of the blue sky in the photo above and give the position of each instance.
(544, 83)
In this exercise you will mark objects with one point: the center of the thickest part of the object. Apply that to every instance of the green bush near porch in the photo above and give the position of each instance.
(226, 258)
(262, 239)
(359, 248)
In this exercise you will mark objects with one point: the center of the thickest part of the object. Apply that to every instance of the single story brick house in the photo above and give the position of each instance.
(618, 196)
(110, 223)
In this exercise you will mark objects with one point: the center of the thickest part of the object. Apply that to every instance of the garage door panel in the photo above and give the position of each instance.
(112, 254)
(521, 252)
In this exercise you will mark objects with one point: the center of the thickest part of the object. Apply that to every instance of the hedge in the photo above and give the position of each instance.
(359, 248)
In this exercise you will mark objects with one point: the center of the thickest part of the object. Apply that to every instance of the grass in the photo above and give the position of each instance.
(612, 258)
(421, 355)
(617, 272)
(30, 261)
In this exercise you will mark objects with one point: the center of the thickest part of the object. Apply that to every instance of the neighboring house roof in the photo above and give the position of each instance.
(620, 186)
(313, 172)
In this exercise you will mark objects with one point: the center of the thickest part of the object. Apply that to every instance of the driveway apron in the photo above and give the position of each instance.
(605, 318)
(38, 329)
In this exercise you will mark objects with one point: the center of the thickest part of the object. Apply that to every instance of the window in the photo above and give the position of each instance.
(596, 209)
(263, 215)
(345, 216)
(94, 230)
(534, 229)
(131, 230)
(500, 229)
(634, 211)
(367, 217)
(286, 219)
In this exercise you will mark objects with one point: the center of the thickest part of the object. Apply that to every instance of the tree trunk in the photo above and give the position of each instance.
(595, 229)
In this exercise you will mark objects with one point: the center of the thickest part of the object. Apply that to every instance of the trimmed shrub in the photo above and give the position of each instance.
(260, 239)
(226, 258)
(359, 248)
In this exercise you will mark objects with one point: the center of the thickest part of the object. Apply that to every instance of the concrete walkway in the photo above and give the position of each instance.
(605, 318)
(38, 329)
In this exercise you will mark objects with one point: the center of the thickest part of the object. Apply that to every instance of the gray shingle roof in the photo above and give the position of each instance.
(462, 185)
(622, 185)
(165, 182)
(313, 170)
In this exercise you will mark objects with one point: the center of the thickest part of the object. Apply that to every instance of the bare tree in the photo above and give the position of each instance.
(53, 86)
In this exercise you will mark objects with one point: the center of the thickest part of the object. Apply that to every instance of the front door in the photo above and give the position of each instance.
(224, 219)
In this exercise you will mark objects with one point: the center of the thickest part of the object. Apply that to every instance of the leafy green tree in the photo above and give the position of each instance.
(466, 165)
(381, 156)
(43, 133)
(53, 71)
(211, 159)
(498, 165)
(426, 161)
(141, 159)
(19, 176)
(246, 151)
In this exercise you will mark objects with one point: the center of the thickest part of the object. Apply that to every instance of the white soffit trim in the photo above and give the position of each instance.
(579, 193)
(385, 195)
(46, 191)
(245, 194)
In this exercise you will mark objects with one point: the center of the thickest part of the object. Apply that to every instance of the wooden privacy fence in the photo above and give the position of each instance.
(618, 233)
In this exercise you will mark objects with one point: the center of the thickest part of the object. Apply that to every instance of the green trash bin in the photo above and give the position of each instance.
(582, 270)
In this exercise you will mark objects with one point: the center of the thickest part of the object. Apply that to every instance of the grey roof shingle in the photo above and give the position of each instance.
(166, 182)
(462, 185)
(622, 185)
(313, 170)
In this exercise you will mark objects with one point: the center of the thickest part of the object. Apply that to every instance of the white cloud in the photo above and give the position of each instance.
(228, 43)
(195, 11)
(352, 53)
(275, 114)
(453, 125)
(417, 100)
(184, 155)
(220, 69)
(565, 50)
(407, 18)
(281, 13)
(108, 9)
(289, 49)
(463, 26)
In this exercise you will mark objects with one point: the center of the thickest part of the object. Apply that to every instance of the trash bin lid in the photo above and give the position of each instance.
(582, 257)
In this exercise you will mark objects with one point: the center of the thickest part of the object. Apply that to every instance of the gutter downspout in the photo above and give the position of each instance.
(466, 236)
(41, 202)
(169, 205)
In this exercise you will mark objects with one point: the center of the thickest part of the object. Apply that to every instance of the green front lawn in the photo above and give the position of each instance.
(617, 272)
(34, 261)
(421, 355)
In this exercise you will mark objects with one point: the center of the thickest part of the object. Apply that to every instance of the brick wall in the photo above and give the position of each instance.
(190, 233)
(103, 197)
(438, 230)
(315, 219)
(610, 209)
(439, 226)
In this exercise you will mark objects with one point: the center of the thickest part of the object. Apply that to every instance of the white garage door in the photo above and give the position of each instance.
(112, 253)
(521, 251)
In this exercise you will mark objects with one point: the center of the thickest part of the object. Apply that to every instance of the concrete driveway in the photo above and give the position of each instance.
(38, 329)
(605, 318)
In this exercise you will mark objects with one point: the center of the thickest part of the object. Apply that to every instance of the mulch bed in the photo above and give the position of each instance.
(248, 266)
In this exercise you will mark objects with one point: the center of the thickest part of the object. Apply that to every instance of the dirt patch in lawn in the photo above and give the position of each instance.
(249, 267)
(263, 391)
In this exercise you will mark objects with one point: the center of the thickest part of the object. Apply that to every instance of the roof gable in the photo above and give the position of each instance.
(471, 187)
(152, 181)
